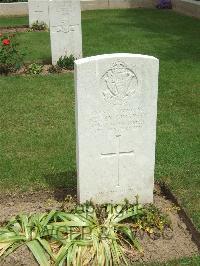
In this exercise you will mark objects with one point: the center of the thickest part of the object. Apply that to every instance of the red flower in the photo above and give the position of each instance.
(6, 42)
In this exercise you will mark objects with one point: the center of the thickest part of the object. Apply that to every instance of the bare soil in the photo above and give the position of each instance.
(16, 29)
(23, 71)
(173, 244)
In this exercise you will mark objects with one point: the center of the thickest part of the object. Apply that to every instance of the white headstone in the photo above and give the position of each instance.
(116, 109)
(65, 29)
(38, 11)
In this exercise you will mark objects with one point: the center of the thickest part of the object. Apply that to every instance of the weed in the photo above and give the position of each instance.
(34, 69)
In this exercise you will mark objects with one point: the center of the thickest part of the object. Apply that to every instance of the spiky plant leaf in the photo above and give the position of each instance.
(38, 252)
(12, 247)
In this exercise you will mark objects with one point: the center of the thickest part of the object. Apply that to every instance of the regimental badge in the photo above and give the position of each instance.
(119, 83)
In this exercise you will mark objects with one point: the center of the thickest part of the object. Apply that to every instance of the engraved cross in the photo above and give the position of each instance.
(118, 153)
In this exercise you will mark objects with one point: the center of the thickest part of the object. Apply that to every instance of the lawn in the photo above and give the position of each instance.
(194, 261)
(37, 136)
(13, 21)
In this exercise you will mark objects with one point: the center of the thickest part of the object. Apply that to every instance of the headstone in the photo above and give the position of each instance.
(116, 109)
(38, 11)
(65, 29)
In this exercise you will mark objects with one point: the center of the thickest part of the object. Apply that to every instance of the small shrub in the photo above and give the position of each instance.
(11, 59)
(66, 62)
(40, 26)
(34, 69)
(54, 69)
(152, 220)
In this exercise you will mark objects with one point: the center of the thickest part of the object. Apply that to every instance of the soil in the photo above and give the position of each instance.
(23, 71)
(173, 244)
(16, 29)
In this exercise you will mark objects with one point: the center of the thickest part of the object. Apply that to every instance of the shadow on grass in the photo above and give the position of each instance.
(62, 184)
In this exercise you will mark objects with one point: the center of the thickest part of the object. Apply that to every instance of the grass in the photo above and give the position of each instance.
(37, 131)
(13, 21)
(37, 114)
(36, 46)
(194, 261)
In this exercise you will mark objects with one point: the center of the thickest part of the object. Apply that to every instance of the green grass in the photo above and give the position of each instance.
(13, 21)
(37, 131)
(37, 136)
(36, 46)
(194, 261)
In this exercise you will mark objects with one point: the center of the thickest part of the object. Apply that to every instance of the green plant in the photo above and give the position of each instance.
(66, 62)
(34, 69)
(11, 58)
(97, 235)
(88, 234)
(29, 231)
(39, 26)
(152, 219)
(54, 69)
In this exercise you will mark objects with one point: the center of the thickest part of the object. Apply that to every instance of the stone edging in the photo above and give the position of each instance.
(21, 8)
(187, 7)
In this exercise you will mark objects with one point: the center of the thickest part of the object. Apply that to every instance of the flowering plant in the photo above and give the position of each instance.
(10, 58)
(164, 4)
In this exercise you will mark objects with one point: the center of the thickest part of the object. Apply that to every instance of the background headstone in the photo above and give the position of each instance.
(65, 29)
(116, 109)
(38, 11)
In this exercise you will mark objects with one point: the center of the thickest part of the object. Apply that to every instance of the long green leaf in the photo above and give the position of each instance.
(11, 238)
(48, 218)
(45, 244)
(62, 253)
(38, 252)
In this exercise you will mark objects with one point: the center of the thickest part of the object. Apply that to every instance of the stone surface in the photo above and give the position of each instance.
(130, 3)
(14, 9)
(116, 109)
(65, 29)
(38, 11)
(187, 7)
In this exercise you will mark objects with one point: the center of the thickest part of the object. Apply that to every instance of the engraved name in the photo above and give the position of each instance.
(122, 120)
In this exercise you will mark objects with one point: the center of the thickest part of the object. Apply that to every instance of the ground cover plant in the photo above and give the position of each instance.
(34, 69)
(88, 234)
(37, 113)
(40, 26)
